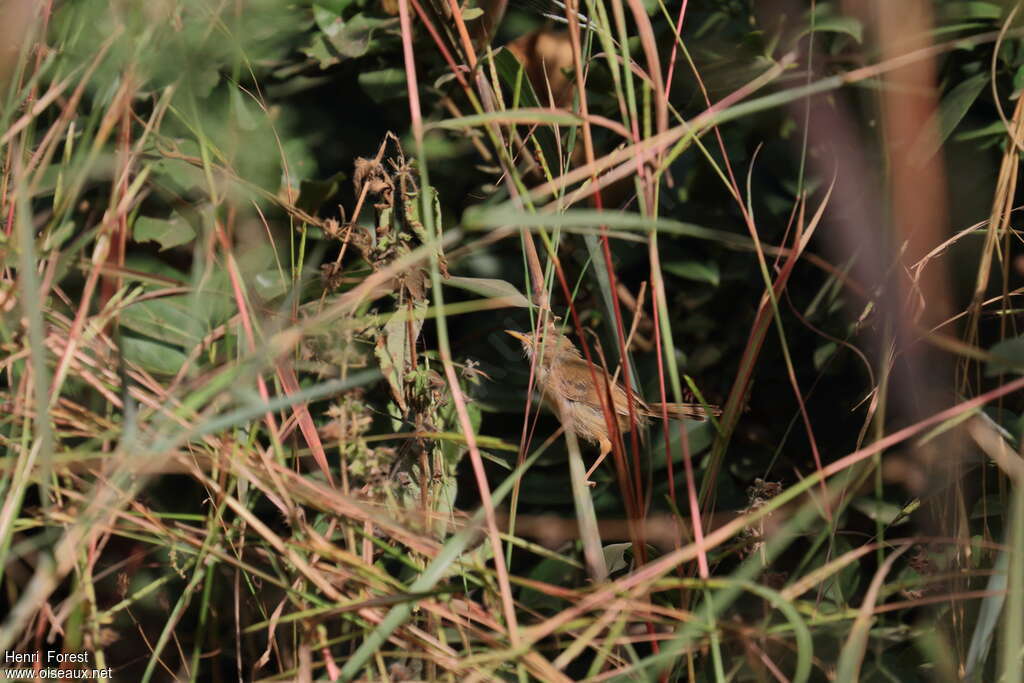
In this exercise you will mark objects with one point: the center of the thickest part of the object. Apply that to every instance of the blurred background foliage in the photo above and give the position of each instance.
(218, 139)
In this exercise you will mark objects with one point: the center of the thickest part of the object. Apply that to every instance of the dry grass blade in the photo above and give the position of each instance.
(261, 420)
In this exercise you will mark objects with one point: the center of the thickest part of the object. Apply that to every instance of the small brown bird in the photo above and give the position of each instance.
(564, 377)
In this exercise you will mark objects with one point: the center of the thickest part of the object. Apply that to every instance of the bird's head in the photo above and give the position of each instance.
(550, 344)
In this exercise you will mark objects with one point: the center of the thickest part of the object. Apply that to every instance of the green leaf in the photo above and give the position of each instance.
(509, 116)
(298, 163)
(355, 37)
(242, 109)
(393, 351)
(55, 239)
(153, 356)
(167, 233)
(996, 129)
(513, 77)
(269, 284)
(181, 319)
(383, 85)
(698, 436)
(1007, 356)
(490, 288)
(340, 39)
(319, 49)
(551, 571)
(695, 270)
(313, 193)
(167, 319)
(618, 557)
(880, 510)
(1018, 82)
(178, 173)
(204, 82)
(839, 587)
(480, 217)
(835, 24)
(324, 11)
(823, 353)
(952, 110)
(971, 10)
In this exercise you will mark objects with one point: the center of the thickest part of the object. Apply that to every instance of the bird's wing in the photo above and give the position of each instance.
(577, 384)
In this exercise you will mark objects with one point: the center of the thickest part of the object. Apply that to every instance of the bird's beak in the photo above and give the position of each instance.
(520, 336)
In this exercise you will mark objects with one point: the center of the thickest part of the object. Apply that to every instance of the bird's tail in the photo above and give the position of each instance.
(689, 411)
(553, 9)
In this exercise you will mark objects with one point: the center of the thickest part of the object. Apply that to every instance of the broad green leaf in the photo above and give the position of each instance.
(698, 436)
(204, 82)
(554, 572)
(167, 319)
(313, 193)
(1007, 356)
(319, 49)
(269, 284)
(325, 11)
(339, 38)
(153, 356)
(243, 109)
(299, 163)
(355, 37)
(877, 510)
(168, 233)
(181, 319)
(618, 557)
(180, 175)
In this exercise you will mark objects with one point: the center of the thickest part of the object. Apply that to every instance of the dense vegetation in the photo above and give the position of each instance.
(261, 419)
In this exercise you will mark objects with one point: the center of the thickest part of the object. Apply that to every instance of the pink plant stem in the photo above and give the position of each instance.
(675, 48)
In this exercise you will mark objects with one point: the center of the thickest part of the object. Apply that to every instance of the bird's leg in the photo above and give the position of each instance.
(606, 448)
